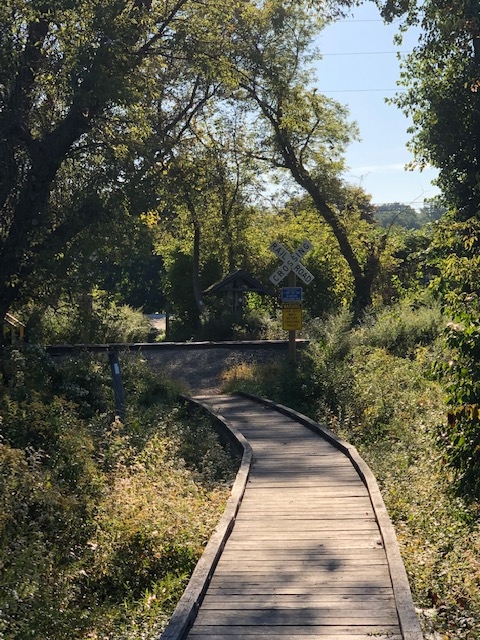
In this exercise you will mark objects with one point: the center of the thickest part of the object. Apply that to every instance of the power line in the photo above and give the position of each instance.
(394, 22)
(365, 53)
(361, 90)
(359, 20)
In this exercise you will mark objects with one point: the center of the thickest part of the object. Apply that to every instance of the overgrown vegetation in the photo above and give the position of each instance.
(99, 320)
(101, 522)
(375, 386)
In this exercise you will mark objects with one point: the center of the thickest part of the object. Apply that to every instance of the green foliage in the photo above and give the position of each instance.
(442, 97)
(405, 266)
(322, 381)
(101, 522)
(396, 213)
(226, 325)
(303, 132)
(94, 320)
(437, 531)
(178, 286)
(403, 327)
(455, 256)
(404, 215)
(442, 79)
(460, 437)
(274, 380)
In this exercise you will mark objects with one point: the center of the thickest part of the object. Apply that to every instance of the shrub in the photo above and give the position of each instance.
(251, 325)
(403, 327)
(103, 323)
(124, 324)
(459, 437)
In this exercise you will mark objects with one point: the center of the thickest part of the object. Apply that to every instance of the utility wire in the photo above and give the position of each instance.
(361, 90)
(365, 53)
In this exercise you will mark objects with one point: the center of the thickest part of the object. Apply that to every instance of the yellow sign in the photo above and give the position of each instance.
(292, 316)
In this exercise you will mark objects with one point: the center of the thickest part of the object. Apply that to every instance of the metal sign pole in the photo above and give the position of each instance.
(118, 389)
(292, 335)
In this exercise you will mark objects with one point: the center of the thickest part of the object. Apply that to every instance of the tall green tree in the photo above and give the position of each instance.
(81, 83)
(442, 77)
(399, 214)
(442, 80)
(300, 131)
(206, 196)
(95, 96)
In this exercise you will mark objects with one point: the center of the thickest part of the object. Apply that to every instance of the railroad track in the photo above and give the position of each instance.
(197, 365)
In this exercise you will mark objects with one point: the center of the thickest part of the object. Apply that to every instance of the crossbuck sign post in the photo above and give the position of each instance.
(293, 268)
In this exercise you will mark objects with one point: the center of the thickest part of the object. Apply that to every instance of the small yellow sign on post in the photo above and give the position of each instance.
(292, 316)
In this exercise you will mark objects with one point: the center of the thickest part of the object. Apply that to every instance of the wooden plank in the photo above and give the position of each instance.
(255, 515)
(274, 636)
(291, 570)
(306, 555)
(310, 617)
(280, 516)
(302, 499)
(320, 525)
(305, 475)
(298, 603)
(312, 506)
(328, 531)
(312, 581)
(262, 475)
(309, 495)
(315, 459)
(367, 543)
(288, 480)
(325, 591)
(291, 564)
(281, 614)
(215, 598)
(301, 543)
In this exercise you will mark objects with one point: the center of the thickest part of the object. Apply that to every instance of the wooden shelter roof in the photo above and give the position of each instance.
(236, 282)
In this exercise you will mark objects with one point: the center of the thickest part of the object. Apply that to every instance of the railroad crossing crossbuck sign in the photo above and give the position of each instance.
(291, 295)
(291, 262)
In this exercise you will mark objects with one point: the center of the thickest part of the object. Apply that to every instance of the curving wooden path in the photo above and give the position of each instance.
(312, 553)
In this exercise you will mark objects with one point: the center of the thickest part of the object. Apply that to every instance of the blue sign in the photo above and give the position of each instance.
(292, 294)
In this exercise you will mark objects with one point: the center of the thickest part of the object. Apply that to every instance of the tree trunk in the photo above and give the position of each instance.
(197, 287)
(363, 277)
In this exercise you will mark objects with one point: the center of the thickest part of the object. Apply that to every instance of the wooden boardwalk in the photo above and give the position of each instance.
(308, 556)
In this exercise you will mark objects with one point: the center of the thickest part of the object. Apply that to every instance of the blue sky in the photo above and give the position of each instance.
(360, 69)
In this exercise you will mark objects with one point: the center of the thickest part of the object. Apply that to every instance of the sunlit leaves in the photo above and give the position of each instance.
(442, 76)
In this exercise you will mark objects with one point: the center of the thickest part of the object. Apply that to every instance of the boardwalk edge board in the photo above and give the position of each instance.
(188, 605)
(407, 615)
